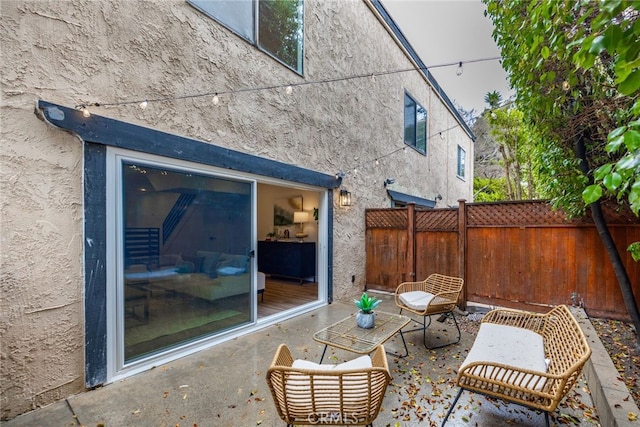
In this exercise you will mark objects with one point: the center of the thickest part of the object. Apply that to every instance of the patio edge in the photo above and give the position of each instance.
(610, 395)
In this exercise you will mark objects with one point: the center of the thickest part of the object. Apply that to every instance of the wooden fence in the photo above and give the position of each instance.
(512, 254)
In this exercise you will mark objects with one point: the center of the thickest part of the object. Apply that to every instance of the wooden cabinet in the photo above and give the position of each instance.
(287, 259)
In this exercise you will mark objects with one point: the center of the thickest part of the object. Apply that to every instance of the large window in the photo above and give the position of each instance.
(279, 24)
(415, 124)
(186, 264)
(462, 159)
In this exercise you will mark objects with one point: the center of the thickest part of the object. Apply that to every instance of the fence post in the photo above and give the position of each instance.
(462, 250)
(411, 242)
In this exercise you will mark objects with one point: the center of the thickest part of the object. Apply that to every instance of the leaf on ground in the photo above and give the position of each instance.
(632, 417)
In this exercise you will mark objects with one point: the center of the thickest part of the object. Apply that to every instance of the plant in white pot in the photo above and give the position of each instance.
(366, 317)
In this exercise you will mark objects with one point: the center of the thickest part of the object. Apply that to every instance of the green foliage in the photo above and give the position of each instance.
(634, 248)
(494, 99)
(489, 189)
(518, 147)
(366, 303)
(575, 67)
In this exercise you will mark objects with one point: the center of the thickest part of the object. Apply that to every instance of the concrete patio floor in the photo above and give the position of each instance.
(225, 385)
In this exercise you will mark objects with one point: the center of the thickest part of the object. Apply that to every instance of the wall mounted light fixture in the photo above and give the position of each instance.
(345, 198)
(388, 181)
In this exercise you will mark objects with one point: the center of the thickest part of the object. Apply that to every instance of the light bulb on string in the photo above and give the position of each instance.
(85, 112)
(355, 171)
(215, 99)
(289, 90)
(459, 70)
(143, 105)
(441, 135)
(377, 162)
(373, 78)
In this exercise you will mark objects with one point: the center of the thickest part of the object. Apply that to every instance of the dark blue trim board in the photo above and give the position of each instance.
(397, 196)
(115, 133)
(95, 257)
(99, 132)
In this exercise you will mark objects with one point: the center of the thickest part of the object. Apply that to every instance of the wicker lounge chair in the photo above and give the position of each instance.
(525, 358)
(437, 294)
(306, 393)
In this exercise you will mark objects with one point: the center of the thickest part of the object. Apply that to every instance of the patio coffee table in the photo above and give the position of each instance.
(346, 335)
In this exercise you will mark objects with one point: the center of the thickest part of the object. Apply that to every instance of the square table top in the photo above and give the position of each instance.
(346, 335)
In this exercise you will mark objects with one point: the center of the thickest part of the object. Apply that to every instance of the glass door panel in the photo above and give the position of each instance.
(187, 265)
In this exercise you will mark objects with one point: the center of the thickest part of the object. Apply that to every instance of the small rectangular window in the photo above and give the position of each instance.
(280, 30)
(415, 124)
(279, 25)
(237, 15)
(462, 158)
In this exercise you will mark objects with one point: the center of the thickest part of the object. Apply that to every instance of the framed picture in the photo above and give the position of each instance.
(283, 210)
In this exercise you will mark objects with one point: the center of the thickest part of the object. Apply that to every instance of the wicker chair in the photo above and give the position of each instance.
(553, 342)
(315, 394)
(437, 294)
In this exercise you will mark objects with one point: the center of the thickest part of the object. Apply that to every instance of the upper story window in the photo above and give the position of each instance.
(415, 124)
(274, 26)
(462, 159)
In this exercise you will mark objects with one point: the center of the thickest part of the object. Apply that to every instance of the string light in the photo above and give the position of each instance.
(289, 87)
(289, 90)
(342, 175)
(459, 70)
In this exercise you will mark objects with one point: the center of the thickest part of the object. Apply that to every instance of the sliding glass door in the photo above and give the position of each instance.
(186, 256)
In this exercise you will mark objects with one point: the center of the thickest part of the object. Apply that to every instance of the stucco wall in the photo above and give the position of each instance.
(113, 51)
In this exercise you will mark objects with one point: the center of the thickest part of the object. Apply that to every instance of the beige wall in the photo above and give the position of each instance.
(113, 51)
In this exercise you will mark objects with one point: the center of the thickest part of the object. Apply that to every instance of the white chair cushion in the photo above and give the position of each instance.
(416, 300)
(327, 388)
(357, 363)
(511, 346)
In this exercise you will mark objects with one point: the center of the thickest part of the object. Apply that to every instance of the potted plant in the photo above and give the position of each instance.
(366, 317)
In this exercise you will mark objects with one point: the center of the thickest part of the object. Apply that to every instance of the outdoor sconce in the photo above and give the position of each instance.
(345, 198)
(388, 181)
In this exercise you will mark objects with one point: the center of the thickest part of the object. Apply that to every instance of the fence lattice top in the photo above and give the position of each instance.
(539, 212)
(499, 214)
(386, 218)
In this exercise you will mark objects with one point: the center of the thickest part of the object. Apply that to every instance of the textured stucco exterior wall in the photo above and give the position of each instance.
(113, 51)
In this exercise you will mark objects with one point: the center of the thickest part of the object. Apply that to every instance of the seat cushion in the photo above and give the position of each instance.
(508, 345)
(361, 362)
(416, 300)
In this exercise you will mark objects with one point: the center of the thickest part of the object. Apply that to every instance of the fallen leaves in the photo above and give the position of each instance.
(619, 339)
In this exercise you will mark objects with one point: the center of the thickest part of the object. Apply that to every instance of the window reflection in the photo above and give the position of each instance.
(186, 244)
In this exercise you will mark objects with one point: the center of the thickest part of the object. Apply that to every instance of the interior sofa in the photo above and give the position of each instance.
(207, 275)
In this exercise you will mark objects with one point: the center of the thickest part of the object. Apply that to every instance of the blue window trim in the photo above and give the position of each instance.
(97, 133)
(461, 167)
(415, 120)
